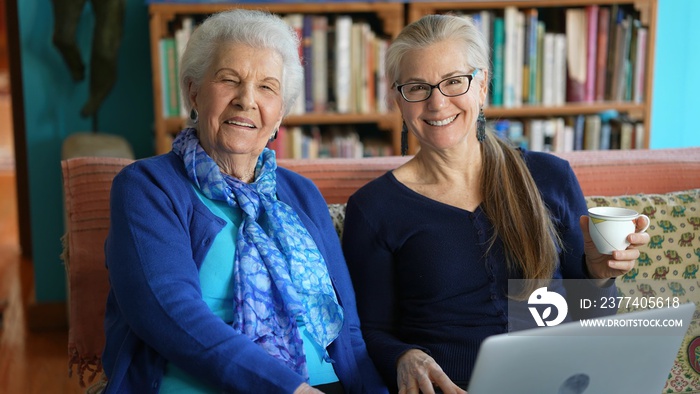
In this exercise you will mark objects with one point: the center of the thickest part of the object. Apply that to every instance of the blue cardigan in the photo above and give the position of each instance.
(159, 234)
(423, 278)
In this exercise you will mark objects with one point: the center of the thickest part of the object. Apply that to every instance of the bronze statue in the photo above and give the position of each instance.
(109, 15)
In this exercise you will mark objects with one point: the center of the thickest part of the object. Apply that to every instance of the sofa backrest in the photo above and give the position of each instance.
(87, 183)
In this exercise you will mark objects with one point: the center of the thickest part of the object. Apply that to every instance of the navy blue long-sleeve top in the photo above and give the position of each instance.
(422, 276)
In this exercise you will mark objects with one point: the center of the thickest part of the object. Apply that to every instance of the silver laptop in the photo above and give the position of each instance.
(620, 357)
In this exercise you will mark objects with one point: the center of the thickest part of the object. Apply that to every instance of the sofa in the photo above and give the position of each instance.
(662, 183)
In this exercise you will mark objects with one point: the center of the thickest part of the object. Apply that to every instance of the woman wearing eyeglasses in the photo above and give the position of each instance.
(432, 244)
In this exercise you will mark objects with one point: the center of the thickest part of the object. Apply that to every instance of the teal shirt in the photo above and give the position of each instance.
(216, 282)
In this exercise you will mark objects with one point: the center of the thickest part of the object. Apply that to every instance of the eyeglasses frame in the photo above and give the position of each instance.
(437, 85)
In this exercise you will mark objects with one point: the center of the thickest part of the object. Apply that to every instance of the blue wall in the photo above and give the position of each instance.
(675, 106)
(53, 101)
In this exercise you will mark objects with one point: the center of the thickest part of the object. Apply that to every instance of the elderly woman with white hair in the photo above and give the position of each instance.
(226, 272)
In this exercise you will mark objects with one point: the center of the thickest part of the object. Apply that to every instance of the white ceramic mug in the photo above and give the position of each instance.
(610, 226)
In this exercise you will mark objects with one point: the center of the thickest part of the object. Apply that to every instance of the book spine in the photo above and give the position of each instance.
(532, 55)
(498, 47)
(343, 85)
(509, 55)
(591, 51)
(602, 53)
(164, 77)
(548, 69)
(519, 59)
(591, 136)
(296, 21)
(307, 56)
(640, 65)
(319, 49)
(172, 98)
(613, 28)
(576, 34)
(560, 47)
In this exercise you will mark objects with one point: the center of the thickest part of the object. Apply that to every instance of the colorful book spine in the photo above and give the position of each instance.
(591, 51)
(602, 53)
(532, 55)
(307, 61)
(640, 66)
(343, 83)
(319, 56)
(497, 80)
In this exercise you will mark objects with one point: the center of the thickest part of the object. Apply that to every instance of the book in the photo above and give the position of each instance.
(626, 135)
(382, 83)
(357, 66)
(639, 135)
(519, 59)
(530, 75)
(330, 66)
(602, 53)
(343, 80)
(369, 103)
(548, 70)
(616, 15)
(541, 30)
(576, 47)
(621, 65)
(591, 132)
(510, 64)
(536, 134)
(560, 69)
(498, 48)
(639, 84)
(549, 132)
(182, 36)
(296, 22)
(568, 144)
(319, 56)
(579, 131)
(169, 77)
(591, 51)
(605, 136)
(307, 61)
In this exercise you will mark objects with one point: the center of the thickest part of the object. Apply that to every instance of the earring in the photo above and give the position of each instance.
(274, 135)
(194, 116)
(481, 126)
(404, 139)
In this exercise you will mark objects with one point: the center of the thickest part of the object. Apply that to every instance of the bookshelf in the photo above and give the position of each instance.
(637, 109)
(385, 18)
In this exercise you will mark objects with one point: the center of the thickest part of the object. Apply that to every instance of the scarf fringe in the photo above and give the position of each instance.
(83, 364)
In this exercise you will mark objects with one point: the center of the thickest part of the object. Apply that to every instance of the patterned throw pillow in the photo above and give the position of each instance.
(337, 212)
(667, 267)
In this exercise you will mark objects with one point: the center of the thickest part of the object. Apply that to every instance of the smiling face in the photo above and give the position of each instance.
(239, 101)
(441, 122)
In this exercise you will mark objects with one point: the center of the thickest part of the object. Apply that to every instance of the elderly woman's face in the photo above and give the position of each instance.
(240, 100)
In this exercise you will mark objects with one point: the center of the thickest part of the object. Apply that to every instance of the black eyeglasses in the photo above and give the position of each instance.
(458, 85)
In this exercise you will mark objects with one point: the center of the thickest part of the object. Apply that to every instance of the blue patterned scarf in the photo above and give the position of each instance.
(279, 274)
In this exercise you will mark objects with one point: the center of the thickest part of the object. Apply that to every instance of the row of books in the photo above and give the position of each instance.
(170, 51)
(343, 65)
(598, 53)
(299, 142)
(607, 130)
(343, 62)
